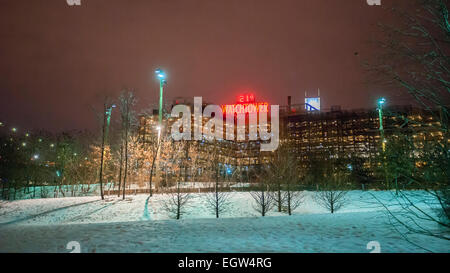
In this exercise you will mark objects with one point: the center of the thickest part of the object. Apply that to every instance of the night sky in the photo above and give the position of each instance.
(57, 61)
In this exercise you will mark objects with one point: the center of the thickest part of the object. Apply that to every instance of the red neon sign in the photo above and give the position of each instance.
(246, 108)
(246, 104)
(246, 98)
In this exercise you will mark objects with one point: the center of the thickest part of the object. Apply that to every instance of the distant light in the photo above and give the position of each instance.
(58, 173)
(40, 140)
(113, 106)
(75, 154)
(24, 144)
(52, 145)
(160, 74)
(27, 134)
(14, 129)
(350, 167)
(381, 101)
(36, 156)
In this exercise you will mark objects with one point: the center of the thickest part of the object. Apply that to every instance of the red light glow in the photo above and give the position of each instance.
(245, 108)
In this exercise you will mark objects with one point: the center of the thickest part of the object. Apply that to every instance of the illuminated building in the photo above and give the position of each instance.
(336, 131)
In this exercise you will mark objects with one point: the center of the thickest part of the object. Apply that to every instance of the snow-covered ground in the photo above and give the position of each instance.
(139, 224)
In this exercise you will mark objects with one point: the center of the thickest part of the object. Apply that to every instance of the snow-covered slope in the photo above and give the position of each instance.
(133, 225)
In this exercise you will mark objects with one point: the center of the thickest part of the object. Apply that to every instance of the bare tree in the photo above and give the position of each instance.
(106, 120)
(219, 199)
(264, 201)
(154, 137)
(426, 210)
(415, 55)
(283, 175)
(176, 200)
(152, 154)
(120, 163)
(331, 194)
(415, 59)
(126, 102)
(330, 199)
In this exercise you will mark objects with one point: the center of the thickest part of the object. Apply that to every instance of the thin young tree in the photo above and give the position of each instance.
(262, 196)
(176, 200)
(106, 120)
(332, 189)
(127, 101)
(283, 175)
(218, 200)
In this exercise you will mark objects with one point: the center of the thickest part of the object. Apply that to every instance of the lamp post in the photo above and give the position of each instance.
(161, 76)
(106, 121)
(155, 156)
(381, 102)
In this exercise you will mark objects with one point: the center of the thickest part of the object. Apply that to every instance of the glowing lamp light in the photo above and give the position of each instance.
(36, 156)
(381, 101)
(160, 74)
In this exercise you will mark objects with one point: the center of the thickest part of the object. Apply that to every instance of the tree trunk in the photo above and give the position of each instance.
(263, 204)
(289, 199)
(126, 152)
(151, 170)
(120, 167)
(34, 189)
(102, 153)
(217, 193)
(178, 201)
(217, 200)
(279, 197)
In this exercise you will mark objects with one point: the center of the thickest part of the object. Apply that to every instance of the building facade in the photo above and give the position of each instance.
(335, 132)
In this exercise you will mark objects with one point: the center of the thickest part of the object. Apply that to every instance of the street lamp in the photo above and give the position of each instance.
(381, 102)
(106, 121)
(162, 81)
(158, 128)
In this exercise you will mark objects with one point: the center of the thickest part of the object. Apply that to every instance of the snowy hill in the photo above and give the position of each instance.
(135, 225)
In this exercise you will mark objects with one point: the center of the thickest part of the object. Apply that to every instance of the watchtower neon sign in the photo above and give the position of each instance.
(258, 125)
(246, 104)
